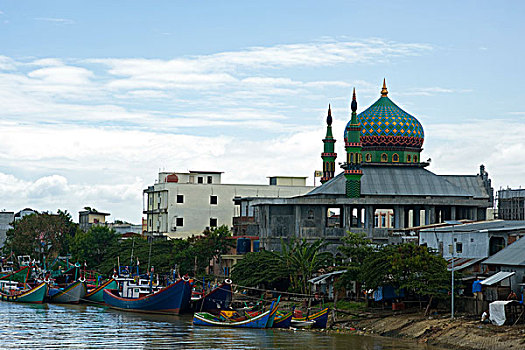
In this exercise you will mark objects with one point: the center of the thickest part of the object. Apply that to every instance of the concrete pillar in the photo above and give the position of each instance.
(397, 216)
(369, 217)
(475, 214)
(297, 221)
(430, 215)
(452, 213)
(348, 216)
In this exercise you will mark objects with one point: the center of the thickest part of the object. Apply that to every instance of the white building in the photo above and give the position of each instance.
(179, 205)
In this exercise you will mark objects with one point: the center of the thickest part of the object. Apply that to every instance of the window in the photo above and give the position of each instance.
(199, 180)
(415, 159)
(409, 159)
(209, 179)
(459, 247)
(180, 198)
(395, 158)
(180, 221)
(213, 222)
(384, 157)
(359, 158)
(351, 158)
(213, 200)
(368, 157)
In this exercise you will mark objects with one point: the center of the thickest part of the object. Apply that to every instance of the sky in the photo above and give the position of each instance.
(96, 97)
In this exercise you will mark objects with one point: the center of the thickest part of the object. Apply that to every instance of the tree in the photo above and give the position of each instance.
(92, 246)
(42, 235)
(211, 245)
(356, 247)
(262, 268)
(407, 266)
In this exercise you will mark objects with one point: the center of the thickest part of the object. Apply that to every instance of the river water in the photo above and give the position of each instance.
(53, 326)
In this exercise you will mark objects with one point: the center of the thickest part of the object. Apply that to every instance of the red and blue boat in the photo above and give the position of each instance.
(216, 300)
(262, 320)
(173, 299)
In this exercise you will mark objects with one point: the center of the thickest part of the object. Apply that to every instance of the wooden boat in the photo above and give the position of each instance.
(70, 294)
(33, 295)
(263, 320)
(20, 275)
(320, 318)
(283, 320)
(96, 295)
(217, 299)
(172, 299)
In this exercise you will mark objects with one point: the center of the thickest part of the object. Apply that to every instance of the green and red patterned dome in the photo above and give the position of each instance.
(386, 126)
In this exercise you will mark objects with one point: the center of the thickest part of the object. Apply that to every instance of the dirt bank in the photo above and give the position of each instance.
(461, 333)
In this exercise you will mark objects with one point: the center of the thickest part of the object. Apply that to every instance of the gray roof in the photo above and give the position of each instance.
(403, 181)
(513, 254)
(472, 183)
(491, 226)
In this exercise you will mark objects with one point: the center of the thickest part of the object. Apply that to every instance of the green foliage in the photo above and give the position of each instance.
(297, 261)
(356, 247)
(262, 268)
(40, 235)
(92, 246)
(406, 266)
(211, 245)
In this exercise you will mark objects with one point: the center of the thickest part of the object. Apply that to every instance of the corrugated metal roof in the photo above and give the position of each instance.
(462, 263)
(498, 277)
(472, 183)
(493, 225)
(400, 181)
(513, 254)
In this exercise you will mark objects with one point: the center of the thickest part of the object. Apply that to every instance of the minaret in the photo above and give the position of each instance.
(354, 158)
(328, 155)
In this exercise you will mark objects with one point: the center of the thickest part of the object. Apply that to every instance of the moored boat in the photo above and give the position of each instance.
(33, 295)
(263, 320)
(70, 294)
(320, 319)
(283, 320)
(96, 295)
(172, 299)
(217, 299)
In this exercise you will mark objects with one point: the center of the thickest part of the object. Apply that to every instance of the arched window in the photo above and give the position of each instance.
(415, 159)
(384, 157)
(351, 158)
(395, 157)
(368, 157)
(409, 158)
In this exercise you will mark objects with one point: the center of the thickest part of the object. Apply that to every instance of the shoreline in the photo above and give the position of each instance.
(463, 332)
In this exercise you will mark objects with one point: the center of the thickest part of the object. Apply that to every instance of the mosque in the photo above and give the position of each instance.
(382, 172)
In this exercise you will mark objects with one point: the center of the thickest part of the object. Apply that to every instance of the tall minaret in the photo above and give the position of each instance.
(328, 155)
(354, 158)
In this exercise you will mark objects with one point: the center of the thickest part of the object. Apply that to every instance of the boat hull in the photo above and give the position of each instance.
(264, 320)
(97, 295)
(173, 299)
(71, 294)
(320, 318)
(35, 295)
(218, 299)
(283, 321)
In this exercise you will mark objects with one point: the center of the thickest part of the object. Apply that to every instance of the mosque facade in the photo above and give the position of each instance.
(382, 171)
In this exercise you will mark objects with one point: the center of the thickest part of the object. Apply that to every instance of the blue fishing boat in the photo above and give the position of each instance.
(283, 320)
(217, 299)
(172, 299)
(320, 319)
(96, 295)
(263, 320)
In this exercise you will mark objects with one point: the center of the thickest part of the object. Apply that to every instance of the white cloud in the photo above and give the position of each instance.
(55, 20)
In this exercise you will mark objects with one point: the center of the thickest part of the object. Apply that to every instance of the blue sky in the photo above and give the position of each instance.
(97, 96)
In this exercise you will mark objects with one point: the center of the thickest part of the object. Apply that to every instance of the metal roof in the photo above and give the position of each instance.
(319, 279)
(513, 254)
(462, 263)
(490, 226)
(498, 277)
(472, 183)
(402, 181)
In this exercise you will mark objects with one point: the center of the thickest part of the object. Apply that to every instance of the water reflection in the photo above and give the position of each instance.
(97, 327)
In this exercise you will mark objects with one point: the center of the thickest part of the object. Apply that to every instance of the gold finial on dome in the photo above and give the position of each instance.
(384, 91)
